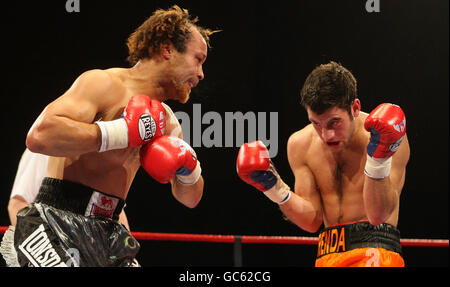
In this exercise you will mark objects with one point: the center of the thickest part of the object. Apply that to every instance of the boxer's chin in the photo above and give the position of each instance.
(182, 93)
(335, 146)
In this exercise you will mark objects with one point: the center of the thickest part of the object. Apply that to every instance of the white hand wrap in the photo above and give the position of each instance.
(114, 134)
(279, 193)
(191, 178)
(378, 168)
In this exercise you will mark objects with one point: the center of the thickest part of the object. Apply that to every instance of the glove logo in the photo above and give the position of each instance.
(193, 154)
(147, 127)
(394, 147)
(401, 126)
(162, 122)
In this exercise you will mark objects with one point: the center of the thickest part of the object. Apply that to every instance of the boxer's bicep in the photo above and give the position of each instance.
(305, 183)
(305, 186)
(88, 95)
(304, 208)
(65, 126)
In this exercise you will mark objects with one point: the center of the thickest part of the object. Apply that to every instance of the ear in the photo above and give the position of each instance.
(356, 107)
(166, 49)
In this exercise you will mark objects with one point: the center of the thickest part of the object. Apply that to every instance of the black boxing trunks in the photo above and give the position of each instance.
(70, 224)
(359, 244)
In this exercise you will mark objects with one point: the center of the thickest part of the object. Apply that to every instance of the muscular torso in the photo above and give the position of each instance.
(340, 180)
(110, 172)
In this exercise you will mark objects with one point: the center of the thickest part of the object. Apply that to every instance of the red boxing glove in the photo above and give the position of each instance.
(387, 127)
(143, 120)
(254, 166)
(167, 156)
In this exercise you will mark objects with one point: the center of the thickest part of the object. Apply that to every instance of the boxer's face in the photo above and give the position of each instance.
(186, 69)
(335, 126)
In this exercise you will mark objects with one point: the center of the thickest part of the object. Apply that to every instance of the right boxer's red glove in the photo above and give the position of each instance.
(143, 120)
(255, 168)
(387, 127)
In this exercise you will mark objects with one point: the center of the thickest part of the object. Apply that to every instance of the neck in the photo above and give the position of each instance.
(147, 77)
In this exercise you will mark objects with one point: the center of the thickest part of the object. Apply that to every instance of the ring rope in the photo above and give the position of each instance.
(259, 239)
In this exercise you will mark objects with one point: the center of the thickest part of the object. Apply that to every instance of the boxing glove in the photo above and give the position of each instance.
(167, 156)
(254, 167)
(143, 120)
(387, 127)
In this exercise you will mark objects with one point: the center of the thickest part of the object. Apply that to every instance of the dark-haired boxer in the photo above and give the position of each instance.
(94, 133)
(349, 170)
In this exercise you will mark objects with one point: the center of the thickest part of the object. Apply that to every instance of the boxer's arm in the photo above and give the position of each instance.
(381, 196)
(65, 127)
(15, 204)
(124, 220)
(188, 195)
(173, 127)
(304, 208)
(30, 172)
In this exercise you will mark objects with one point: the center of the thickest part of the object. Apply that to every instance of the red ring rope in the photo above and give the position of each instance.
(258, 239)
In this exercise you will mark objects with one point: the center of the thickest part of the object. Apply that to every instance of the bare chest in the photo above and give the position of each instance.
(340, 184)
(337, 178)
(111, 172)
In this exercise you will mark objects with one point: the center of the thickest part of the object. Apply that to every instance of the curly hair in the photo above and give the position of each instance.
(173, 24)
(327, 86)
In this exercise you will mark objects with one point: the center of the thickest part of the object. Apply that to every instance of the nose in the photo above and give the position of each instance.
(200, 74)
(327, 134)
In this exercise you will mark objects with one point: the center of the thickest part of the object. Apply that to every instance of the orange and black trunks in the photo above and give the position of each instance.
(359, 244)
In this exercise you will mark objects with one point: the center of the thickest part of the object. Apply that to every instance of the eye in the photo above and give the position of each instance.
(316, 124)
(335, 124)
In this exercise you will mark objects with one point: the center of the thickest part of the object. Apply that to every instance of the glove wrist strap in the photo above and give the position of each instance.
(378, 168)
(114, 134)
(280, 193)
(191, 178)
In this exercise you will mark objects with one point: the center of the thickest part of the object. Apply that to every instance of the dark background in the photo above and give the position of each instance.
(258, 63)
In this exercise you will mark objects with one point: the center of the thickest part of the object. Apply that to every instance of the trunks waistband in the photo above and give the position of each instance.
(78, 198)
(346, 237)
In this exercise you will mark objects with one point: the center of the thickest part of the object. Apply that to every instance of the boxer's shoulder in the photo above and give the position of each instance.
(97, 86)
(299, 144)
(301, 139)
(105, 89)
(99, 80)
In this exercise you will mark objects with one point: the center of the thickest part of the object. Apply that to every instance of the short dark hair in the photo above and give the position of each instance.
(329, 85)
(173, 24)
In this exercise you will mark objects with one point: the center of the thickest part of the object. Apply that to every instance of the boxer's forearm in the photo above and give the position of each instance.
(302, 213)
(62, 136)
(188, 195)
(15, 204)
(124, 220)
(380, 199)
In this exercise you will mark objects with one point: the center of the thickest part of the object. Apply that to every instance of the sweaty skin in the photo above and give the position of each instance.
(327, 158)
(65, 130)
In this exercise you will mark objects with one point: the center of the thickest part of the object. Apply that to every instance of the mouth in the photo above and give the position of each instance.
(333, 144)
(192, 84)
